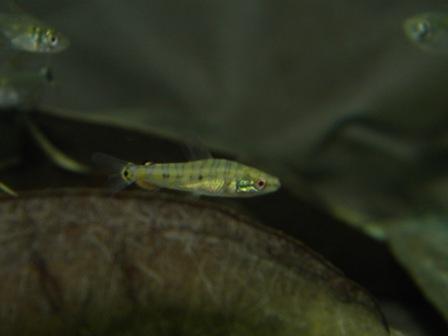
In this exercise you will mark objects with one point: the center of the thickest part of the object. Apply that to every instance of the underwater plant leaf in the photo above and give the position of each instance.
(6, 189)
(420, 244)
(80, 261)
(54, 154)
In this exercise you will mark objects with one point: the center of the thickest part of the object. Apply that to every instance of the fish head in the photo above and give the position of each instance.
(256, 182)
(52, 41)
(40, 40)
(428, 31)
(419, 28)
(128, 172)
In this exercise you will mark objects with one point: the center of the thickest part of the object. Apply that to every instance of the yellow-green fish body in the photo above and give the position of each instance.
(210, 177)
(29, 34)
(428, 31)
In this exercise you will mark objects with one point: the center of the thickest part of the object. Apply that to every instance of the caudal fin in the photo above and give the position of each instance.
(114, 167)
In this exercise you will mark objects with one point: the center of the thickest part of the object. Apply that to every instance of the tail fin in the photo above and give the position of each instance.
(114, 167)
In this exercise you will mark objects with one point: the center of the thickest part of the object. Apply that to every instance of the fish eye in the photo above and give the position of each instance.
(423, 29)
(126, 174)
(260, 184)
(53, 40)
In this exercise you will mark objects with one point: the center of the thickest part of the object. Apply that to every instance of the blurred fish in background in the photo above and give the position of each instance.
(24, 32)
(24, 77)
(22, 37)
(428, 31)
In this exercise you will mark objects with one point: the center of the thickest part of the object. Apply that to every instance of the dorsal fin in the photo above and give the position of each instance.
(195, 150)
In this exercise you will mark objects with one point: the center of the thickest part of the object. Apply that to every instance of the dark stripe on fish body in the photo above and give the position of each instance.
(218, 168)
(216, 165)
(226, 169)
(155, 170)
(177, 169)
(192, 170)
(158, 170)
(233, 168)
(195, 174)
(206, 171)
(213, 171)
(201, 170)
(182, 171)
(148, 170)
(165, 173)
(170, 176)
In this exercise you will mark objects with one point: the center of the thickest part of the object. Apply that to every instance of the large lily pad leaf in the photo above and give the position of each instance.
(83, 262)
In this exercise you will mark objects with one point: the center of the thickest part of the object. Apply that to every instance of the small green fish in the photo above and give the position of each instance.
(429, 31)
(29, 34)
(210, 177)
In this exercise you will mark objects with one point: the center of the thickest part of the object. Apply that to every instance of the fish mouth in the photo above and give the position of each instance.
(274, 185)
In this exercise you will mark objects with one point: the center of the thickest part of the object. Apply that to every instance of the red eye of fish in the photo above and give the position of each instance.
(260, 184)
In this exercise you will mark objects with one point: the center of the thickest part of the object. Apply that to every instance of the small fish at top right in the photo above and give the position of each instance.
(429, 31)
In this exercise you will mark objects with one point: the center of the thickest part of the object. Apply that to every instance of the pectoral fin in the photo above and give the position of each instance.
(147, 185)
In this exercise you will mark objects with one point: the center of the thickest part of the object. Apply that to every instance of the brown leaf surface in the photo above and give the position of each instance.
(86, 263)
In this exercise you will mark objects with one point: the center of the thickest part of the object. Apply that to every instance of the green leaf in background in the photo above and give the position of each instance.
(421, 244)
